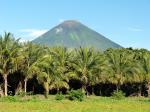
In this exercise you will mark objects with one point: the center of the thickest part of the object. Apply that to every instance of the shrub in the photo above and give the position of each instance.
(9, 99)
(29, 93)
(21, 94)
(76, 95)
(10, 93)
(59, 96)
(118, 95)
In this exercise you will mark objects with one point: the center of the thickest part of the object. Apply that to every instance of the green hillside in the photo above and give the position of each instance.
(73, 34)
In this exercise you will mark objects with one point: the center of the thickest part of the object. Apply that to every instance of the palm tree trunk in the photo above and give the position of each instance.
(83, 89)
(33, 89)
(19, 88)
(93, 90)
(87, 93)
(5, 84)
(148, 89)
(117, 87)
(1, 92)
(46, 86)
(140, 90)
(25, 85)
(58, 92)
(100, 90)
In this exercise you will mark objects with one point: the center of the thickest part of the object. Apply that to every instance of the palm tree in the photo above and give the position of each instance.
(138, 60)
(31, 53)
(9, 48)
(45, 70)
(52, 69)
(58, 80)
(121, 66)
(100, 73)
(146, 69)
(85, 65)
(63, 58)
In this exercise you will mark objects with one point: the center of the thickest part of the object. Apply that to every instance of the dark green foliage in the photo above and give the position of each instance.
(59, 96)
(10, 93)
(118, 95)
(76, 95)
(54, 68)
(29, 93)
(21, 94)
(73, 34)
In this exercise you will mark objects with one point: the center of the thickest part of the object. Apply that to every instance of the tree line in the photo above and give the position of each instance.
(55, 68)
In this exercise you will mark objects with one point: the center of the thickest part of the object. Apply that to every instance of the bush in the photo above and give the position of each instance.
(118, 95)
(29, 93)
(21, 94)
(9, 99)
(59, 96)
(10, 93)
(76, 95)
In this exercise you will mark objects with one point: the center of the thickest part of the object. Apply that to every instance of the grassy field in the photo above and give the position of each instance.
(91, 104)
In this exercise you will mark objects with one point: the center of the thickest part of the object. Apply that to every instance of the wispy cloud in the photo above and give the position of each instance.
(60, 20)
(30, 34)
(34, 32)
(135, 29)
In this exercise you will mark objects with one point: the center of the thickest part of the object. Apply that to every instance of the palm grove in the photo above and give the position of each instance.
(40, 69)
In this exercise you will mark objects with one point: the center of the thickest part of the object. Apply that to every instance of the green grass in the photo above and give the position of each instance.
(90, 104)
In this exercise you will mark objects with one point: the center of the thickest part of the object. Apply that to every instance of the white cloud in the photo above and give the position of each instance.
(135, 29)
(61, 20)
(30, 34)
(34, 32)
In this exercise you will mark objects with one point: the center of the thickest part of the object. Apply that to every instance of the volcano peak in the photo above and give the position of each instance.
(70, 23)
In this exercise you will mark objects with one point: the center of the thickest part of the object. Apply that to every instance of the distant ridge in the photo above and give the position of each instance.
(74, 34)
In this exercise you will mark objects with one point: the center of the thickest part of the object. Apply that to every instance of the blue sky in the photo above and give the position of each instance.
(126, 22)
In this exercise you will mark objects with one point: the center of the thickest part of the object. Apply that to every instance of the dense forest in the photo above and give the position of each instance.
(42, 70)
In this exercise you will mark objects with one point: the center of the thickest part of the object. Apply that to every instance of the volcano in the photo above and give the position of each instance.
(74, 34)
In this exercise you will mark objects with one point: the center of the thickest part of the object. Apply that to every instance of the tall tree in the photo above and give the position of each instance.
(146, 69)
(138, 60)
(53, 69)
(121, 66)
(45, 72)
(31, 53)
(9, 52)
(63, 58)
(85, 65)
